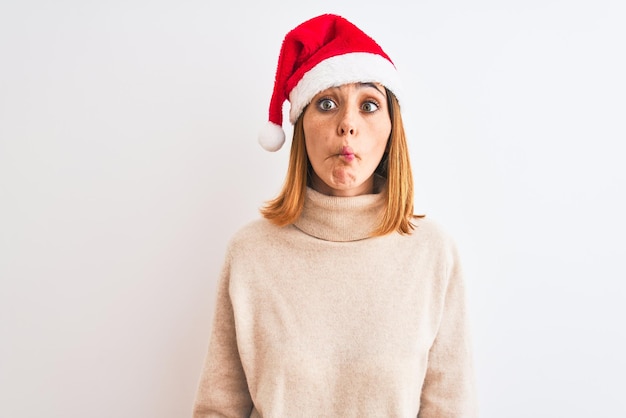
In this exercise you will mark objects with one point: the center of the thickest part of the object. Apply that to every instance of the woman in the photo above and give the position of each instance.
(339, 302)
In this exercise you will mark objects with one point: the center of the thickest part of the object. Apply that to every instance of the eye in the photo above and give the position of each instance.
(369, 106)
(326, 104)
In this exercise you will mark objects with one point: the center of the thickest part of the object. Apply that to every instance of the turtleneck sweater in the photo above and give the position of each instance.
(319, 319)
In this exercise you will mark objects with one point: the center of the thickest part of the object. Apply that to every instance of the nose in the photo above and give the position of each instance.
(347, 123)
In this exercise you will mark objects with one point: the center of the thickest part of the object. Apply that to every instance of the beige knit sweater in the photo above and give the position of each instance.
(317, 320)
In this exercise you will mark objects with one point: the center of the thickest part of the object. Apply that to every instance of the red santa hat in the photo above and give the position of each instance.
(323, 52)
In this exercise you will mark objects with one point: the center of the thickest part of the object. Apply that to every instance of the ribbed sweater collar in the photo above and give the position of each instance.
(341, 219)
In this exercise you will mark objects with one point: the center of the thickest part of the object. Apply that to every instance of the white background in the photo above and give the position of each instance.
(128, 157)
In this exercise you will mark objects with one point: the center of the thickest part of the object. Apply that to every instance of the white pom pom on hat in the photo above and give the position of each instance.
(272, 137)
(325, 51)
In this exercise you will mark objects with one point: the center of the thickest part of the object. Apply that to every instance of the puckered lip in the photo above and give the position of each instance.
(345, 151)
(347, 154)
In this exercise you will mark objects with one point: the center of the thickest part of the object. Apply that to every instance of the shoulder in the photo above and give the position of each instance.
(432, 238)
(255, 235)
(253, 230)
(426, 228)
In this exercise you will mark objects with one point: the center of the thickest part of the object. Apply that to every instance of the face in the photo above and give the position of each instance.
(346, 130)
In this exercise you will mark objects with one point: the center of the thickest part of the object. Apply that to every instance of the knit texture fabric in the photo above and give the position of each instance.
(316, 319)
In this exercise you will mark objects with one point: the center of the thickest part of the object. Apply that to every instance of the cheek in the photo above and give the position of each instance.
(380, 144)
(314, 135)
(310, 140)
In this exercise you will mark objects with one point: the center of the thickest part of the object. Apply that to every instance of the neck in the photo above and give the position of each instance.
(319, 186)
(337, 218)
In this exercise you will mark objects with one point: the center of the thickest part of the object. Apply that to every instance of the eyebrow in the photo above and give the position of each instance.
(363, 85)
(371, 85)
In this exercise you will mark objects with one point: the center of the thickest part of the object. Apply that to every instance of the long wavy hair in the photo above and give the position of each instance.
(394, 167)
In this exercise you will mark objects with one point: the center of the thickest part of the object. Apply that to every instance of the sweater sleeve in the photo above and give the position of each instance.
(449, 387)
(223, 390)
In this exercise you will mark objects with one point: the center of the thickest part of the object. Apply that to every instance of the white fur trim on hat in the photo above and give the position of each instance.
(354, 67)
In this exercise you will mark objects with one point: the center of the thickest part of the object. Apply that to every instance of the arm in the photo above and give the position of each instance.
(448, 390)
(223, 390)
